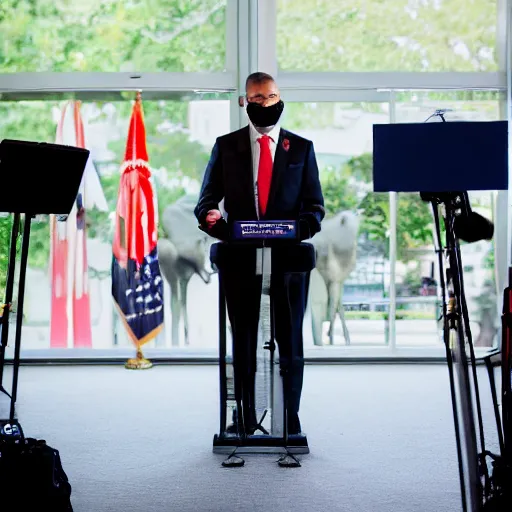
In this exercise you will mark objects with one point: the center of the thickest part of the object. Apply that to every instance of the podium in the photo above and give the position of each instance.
(37, 178)
(262, 238)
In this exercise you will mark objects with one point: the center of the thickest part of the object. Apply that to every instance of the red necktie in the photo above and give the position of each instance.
(264, 173)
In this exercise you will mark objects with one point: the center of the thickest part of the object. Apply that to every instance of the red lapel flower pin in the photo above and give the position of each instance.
(286, 144)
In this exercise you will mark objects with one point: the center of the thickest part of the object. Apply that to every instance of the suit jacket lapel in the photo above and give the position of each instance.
(279, 168)
(244, 158)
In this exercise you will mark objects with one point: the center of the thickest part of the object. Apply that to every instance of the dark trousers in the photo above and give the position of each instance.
(289, 297)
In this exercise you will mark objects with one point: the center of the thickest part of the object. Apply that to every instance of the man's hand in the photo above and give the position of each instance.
(212, 217)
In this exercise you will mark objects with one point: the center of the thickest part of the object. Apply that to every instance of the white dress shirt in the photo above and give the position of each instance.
(255, 148)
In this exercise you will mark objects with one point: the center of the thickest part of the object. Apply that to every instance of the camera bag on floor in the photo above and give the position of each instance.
(32, 475)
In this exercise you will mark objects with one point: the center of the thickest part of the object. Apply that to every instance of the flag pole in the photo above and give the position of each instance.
(137, 285)
(139, 362)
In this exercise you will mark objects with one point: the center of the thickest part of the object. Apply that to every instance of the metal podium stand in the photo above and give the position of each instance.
(37, 178)
(274, 437)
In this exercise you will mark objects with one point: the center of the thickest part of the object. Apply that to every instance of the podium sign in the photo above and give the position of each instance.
(268, 229)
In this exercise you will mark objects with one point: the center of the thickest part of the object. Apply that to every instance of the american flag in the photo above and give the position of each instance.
(137, 286)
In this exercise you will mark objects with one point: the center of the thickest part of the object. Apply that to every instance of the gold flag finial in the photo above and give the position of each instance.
(139, 362)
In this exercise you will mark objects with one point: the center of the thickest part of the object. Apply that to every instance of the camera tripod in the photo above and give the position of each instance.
(481, 488)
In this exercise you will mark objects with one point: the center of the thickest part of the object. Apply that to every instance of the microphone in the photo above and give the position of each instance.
(469, 226)
(473, 228)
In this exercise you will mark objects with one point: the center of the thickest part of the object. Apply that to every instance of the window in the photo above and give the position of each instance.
(352, 271)
(118, 35)
(179, 144)
(103, 44)
(417, 272)
(387, 35)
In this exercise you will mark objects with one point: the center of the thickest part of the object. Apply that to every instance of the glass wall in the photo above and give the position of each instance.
(350, 286)
(118, 35)
(390, 35)
(179, 137)
(342, 67)
(417, 273)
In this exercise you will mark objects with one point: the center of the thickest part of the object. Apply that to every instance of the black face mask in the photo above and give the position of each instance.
(262, 117)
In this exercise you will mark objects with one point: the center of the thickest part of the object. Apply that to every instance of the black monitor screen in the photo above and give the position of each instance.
(440, 157)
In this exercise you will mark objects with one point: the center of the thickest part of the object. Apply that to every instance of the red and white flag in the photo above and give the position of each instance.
(70, 324)
(137, 286)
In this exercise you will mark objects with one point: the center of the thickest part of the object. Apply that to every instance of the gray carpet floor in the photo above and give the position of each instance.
(381, 440)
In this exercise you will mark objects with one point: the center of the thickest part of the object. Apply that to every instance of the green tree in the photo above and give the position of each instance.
(173, 152)
(99, 224)
(414, 219)
(118, 35)
(387, 35)
(339, 193)
(5, 236)
(189, 36)
(486, 317)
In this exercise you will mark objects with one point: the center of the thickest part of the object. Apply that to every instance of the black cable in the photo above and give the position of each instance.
(438, 113)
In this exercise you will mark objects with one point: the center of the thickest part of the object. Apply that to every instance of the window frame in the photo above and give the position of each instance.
(250, 46)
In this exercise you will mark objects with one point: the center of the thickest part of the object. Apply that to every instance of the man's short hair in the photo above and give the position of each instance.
(258, 78)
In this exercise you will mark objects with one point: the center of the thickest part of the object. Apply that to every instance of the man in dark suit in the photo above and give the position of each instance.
(263, 172)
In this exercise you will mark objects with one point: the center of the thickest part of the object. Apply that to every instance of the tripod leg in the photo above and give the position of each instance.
(506, 370)
(473, 466)
(449, 359)
(8, 295)
(19, 314)
(492, 383)
(457, 426)
(467, 329)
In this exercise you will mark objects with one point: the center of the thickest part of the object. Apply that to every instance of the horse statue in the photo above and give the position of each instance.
(336, 247)
(181, 255)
